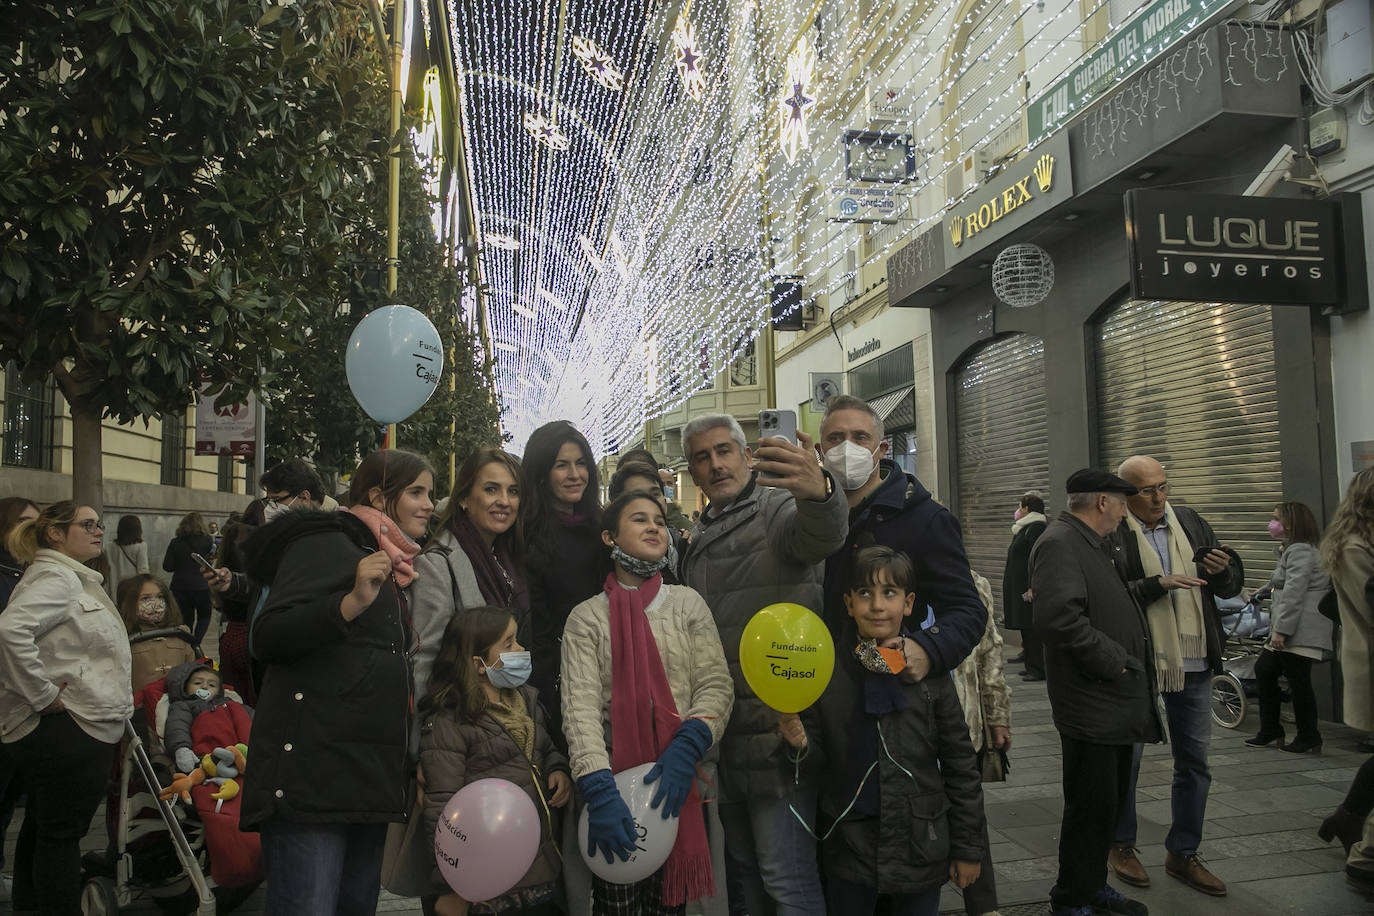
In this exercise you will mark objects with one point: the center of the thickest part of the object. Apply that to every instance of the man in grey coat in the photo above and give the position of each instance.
(1101, 683)
(774, 517)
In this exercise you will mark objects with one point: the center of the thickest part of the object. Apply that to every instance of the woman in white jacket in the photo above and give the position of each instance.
(64, 698)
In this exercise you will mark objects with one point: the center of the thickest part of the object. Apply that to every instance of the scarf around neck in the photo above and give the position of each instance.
(644, 719)
(1176, 625)
(392, 540)
(495, 577)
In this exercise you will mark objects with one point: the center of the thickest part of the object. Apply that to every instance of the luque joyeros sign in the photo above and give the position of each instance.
(1223, 248)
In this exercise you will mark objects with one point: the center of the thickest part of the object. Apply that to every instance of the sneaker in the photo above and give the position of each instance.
(1191, 871)
(1123, 861)
(1109, 900)
(6, 887)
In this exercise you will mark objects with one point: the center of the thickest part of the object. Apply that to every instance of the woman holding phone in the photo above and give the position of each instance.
(189, 587)
(330, 749)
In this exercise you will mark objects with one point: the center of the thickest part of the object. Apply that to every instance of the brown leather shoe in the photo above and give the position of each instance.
(1191, 871)
(1123, 861)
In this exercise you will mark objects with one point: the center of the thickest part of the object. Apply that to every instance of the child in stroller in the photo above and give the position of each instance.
(1245, 629)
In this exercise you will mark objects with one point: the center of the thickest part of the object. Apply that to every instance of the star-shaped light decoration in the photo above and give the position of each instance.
(597, 63)
(796, 104)
(546, 132)
(689, 58)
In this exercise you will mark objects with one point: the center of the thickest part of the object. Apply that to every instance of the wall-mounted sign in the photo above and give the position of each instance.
(824, 386)
(875, 156)
(1223, 248)
(227, 430)
(854, 204)
(1159, 24)
(1024, 190)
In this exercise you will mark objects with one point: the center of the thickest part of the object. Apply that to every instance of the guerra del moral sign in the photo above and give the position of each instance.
(1139, 41)
(1224, 248)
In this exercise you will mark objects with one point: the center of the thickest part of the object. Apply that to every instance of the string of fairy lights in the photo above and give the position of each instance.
(640, 174)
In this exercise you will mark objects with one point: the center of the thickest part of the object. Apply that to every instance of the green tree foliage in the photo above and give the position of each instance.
(185, 186)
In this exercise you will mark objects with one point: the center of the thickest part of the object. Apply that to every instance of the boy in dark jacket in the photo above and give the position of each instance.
(200, 717)
(901, 792)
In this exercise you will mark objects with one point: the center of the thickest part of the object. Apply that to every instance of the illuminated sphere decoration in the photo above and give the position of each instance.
(1023, 275)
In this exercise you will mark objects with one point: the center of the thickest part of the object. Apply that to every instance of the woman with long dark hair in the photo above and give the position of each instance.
(64, 698)
(330, 739)
(567, 561)
(476, 556)
(128, 555)
(188, 585)
(1298, 633)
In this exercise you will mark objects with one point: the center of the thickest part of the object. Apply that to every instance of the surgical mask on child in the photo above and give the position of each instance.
(151, 611)
(1276, 529)
(515, 670)
(204, 693)
(850, 463)
(636, 566)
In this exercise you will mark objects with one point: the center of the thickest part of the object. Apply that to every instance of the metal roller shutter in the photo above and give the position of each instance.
(1000, 415)
(1193, 385)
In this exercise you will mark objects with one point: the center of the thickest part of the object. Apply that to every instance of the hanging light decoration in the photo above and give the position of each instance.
(797, 100)
(689, 58)
(544, 131)
(1023, 275)
(597, 63)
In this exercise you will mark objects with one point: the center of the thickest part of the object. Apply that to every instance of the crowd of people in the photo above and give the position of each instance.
(387, 653)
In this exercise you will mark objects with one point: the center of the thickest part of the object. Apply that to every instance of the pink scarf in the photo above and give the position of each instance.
(393, 540)
(644, 718)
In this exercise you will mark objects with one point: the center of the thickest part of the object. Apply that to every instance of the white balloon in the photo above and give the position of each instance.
(656, 835)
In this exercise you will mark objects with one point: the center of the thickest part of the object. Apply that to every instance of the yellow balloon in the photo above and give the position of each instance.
(787, 656)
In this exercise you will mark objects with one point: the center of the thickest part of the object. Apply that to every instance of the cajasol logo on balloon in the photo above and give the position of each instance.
(486, 839)
(394, 360)
(787, 656)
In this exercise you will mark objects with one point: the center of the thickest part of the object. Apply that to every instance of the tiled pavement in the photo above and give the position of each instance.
(1261, 839)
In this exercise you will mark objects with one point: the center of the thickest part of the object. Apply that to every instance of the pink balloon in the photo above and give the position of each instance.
(486, 839)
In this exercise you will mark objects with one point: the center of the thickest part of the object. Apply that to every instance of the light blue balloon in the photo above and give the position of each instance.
(394, 361)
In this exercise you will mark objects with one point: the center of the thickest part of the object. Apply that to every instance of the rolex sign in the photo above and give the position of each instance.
(1221, 248)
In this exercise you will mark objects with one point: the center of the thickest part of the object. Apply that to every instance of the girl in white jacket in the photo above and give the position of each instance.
(64, 698)
(644, 680)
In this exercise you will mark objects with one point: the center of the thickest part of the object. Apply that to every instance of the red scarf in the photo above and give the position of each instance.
(393, 540)
(644, 719)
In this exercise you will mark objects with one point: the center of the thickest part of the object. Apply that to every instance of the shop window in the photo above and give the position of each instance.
(174, 449)
(744, 370)
(28, 422)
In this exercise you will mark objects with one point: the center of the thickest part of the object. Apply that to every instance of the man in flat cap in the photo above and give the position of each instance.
(1176, 569)
(1100, 680)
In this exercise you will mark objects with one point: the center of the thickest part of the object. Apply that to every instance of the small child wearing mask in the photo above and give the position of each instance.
(146, 604)
(899, 772)
(480, 720)
(200, 717)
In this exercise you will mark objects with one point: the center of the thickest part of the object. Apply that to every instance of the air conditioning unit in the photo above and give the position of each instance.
(968, 172)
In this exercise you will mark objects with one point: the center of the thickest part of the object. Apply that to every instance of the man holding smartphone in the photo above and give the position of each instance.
(774, 517)
(1175, 570)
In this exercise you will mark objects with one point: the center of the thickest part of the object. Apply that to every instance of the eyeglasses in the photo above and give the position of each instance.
(90, 526)
(1158, 490)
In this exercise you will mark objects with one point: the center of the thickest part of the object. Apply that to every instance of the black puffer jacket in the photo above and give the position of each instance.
(901, 514)
(566, 566)
(902, 839)
(1098, 664)
(455, 752)
(1016, 611)
(330, 736)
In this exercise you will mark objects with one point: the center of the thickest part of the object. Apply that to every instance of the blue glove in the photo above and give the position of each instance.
(676, 769)
(610, 828)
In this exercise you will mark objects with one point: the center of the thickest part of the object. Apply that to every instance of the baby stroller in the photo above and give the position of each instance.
(158, 849)
(1245, 630)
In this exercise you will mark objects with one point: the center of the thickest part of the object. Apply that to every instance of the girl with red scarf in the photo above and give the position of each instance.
(642, 662)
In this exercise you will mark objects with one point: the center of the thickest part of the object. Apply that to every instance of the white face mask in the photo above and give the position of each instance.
(851, 464)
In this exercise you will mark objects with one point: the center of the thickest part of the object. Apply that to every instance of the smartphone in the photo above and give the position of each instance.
(781, 424)
(202, 561)
(1201, 553)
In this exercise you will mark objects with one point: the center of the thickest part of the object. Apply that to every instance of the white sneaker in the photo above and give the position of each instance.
(6, 885)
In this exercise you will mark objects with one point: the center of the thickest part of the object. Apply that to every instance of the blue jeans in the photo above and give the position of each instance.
(1189, 712)
(322, 869)
(858, 900)
(771, 857)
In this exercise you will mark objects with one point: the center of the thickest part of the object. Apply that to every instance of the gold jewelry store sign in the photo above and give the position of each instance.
(1024, 190)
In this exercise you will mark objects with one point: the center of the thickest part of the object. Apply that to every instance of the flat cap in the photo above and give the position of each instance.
(1091, 480)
